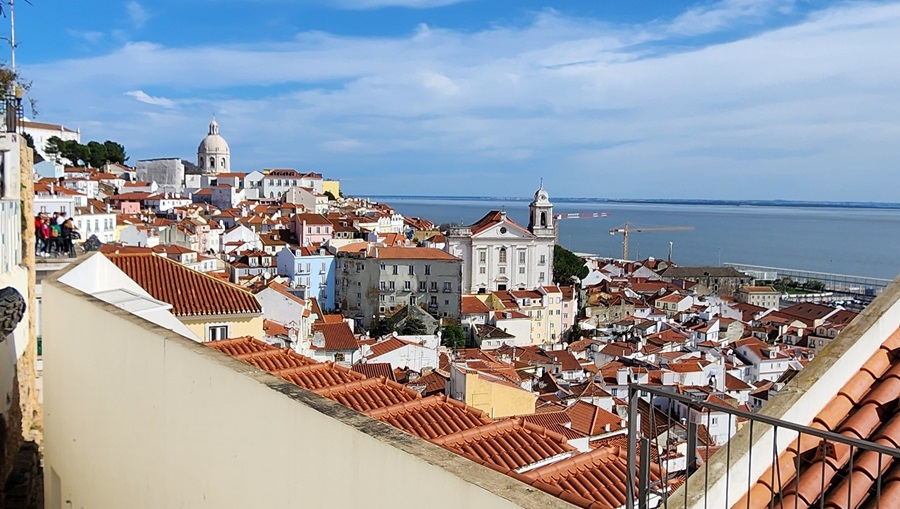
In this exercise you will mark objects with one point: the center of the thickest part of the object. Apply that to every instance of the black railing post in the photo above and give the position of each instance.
(644, 475)
(633, 427)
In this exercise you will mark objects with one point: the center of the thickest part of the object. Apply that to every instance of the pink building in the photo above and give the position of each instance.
(569, 308)
(311, 229)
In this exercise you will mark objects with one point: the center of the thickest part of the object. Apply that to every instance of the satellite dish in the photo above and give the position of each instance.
(266, 275)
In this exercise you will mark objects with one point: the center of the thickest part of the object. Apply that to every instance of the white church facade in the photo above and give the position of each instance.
(499, 254)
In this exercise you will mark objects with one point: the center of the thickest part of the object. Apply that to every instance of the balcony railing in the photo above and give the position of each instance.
(835, 470)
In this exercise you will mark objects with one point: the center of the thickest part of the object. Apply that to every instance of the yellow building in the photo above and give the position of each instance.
(332, 186)
(491, 387)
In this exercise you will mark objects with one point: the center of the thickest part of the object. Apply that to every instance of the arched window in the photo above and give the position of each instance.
(201, 161)
(223, 162)
(502, 255)
(212, 162)
(543, 219)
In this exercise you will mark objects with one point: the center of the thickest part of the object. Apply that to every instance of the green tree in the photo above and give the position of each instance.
(453, 336)
(96, 154)
(413, 327)
(115, 152)
(382, 327)
(329, 195)
(567, 265)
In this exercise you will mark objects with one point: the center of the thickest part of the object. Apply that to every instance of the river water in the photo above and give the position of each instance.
(855, 241)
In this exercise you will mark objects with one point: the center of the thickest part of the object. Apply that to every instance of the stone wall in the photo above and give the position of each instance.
(20, 424)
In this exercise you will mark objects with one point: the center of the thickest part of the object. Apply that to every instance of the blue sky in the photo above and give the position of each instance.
(725, 99)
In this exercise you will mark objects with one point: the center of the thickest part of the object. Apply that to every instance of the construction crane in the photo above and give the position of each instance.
(574, 215)
(626, 230)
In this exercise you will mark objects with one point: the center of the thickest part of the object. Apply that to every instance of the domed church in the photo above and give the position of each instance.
(213, 155)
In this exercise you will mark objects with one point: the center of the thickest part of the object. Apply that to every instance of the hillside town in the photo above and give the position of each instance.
(470, 337)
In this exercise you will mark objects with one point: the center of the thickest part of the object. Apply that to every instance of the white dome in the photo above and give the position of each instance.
(213, 155)
(214, 143)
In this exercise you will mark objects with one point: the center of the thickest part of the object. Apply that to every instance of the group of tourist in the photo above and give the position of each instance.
(54, 235)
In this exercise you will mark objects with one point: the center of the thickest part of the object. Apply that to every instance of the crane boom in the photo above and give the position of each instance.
(581, 215)
(626, 230)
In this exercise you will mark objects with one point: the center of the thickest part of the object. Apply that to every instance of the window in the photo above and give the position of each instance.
(382, 285)
(503, 270)
(521, 270)
(394, 269)
(543, 260)
(318, 229)
(433, 301)
(382, 297)
(391, 286)
(434, 286)
(339, 357)
(522, 257)
(407, 285)
(447, 287)
(502, 255)
(541, 276)
(482, 256)
(412, 270)
(428, 270)
(382, 266)
(421, 286)
(216, 332)
(482, 270)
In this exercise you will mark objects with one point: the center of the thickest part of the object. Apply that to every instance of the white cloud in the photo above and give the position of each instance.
(710, 18)
(145, 98)
(788, 113)
(137, 13)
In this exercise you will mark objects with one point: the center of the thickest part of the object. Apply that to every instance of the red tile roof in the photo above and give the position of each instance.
(369, 394)
(375, 370)
(592, 420)
(318, 376)
(473, 305)
(410, 253)
(507, 445)
(596, 479)
(431, 417)
(241, 345)
(864, 409)
(338, 336)
(492, 218)
(190, 293)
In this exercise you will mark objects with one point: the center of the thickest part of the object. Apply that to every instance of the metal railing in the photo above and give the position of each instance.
(769, 439)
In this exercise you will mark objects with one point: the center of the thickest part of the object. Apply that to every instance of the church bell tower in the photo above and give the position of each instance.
(540, 222)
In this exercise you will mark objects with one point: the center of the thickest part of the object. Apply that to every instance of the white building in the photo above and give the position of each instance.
(92, 221)
(213, 154)
(41, 132)
(498, 254)
(277, 182)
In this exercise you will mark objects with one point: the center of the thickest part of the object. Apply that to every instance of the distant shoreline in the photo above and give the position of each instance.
(733, 203)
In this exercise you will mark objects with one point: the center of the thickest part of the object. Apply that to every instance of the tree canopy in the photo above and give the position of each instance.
(567, 264)
(413, 327)
(453, 336)
(94, 153)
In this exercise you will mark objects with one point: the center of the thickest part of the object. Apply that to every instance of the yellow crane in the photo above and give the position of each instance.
(626, 230)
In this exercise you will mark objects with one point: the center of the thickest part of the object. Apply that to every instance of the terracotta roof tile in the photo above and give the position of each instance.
(431, 417)
(369, 394)
(864, 408)
(318, 376)
(338, 336)
(597, 477)
(238, 346)
(510, 444)
(375, 370)
(190, 293)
